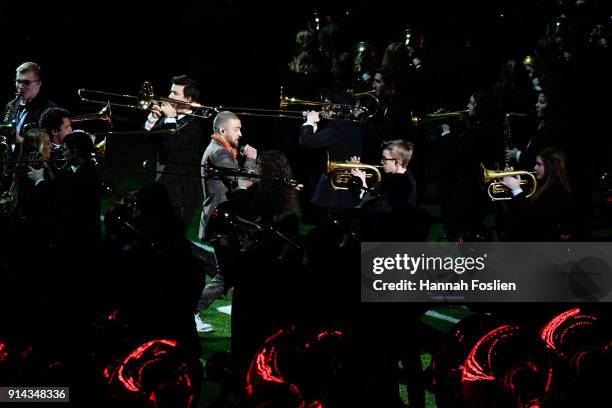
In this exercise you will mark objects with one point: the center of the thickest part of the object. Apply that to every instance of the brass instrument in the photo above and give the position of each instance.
(497, 191)
(508, 144)
(7, 128)
(10, 112)
(328, 110)
(339, 173)
(145, 99)
(8, 201)
(529, 60)
(4, 156)
(100, 149)
(104, 115)
(439, 118)
(4, 147)
(12, 167)
(331, 110)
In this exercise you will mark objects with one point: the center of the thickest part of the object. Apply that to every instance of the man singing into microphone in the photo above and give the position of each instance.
(223, 151)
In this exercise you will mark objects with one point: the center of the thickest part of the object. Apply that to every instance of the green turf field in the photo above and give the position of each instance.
(123, 168)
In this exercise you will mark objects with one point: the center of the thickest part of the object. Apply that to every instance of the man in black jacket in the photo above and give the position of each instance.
(28, 105)
(179, 154)
(342, 138)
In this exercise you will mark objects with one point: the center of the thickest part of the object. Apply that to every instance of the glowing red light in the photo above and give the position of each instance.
(327, 333)
(3, 354)
(133, 384)
(548, 381)
(472, 369)
(553, 334)
(112, 316)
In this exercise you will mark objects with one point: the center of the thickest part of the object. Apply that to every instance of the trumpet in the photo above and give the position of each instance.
(339, 173)
(145, 99)
(497, 191)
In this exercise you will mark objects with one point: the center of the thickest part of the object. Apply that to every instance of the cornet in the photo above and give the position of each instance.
(339, 173)
(498, 191)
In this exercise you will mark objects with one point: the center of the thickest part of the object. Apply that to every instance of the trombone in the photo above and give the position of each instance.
(497, 191)
(104, 115)
(145, 99)
(439, 118)
(22, 167)
(329, 110)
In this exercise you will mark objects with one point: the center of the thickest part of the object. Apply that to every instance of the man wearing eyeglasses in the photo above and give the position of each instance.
(28, 105)
(388, 207)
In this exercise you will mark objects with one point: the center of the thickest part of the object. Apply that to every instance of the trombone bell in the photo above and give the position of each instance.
(100, 149)
(105, 115)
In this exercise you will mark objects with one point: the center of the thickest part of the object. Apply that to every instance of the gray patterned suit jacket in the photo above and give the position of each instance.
(215, 190)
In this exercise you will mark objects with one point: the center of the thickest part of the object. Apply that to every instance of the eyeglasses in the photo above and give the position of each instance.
(26, 82)
(386, 159)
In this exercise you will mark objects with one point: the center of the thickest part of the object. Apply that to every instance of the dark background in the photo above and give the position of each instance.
(238, 52)
(234, 49)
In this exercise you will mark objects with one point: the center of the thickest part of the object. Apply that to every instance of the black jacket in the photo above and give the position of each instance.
(388, 210)
(342, 139)
(179, 153)
(551, 217)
